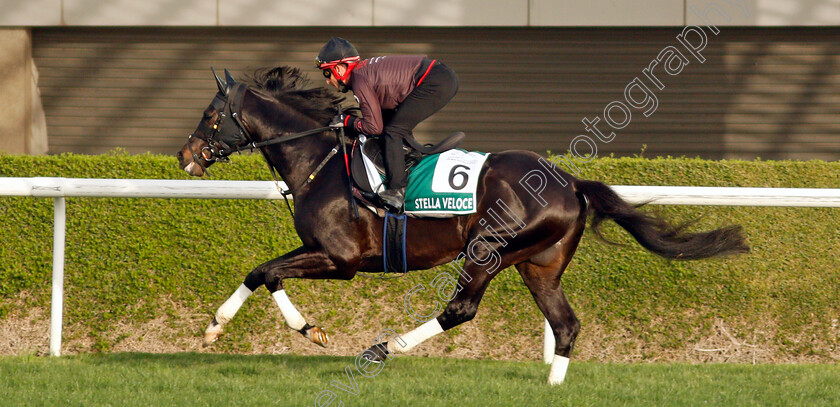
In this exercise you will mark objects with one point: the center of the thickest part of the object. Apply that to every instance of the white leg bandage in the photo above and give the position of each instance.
(229, 308)
(416, 337)
(558, 369)
(293, 318)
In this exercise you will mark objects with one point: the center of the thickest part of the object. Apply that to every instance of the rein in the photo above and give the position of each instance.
(252, 145)
(230, 142)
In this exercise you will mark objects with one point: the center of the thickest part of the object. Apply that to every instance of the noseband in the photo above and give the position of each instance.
(225, 140)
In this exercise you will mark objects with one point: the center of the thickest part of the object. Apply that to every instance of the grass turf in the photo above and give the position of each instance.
(190, 379)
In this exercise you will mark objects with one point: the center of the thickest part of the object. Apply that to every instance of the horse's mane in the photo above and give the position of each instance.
(289, 86)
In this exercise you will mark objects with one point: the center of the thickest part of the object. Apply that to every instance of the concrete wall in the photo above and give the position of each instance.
(23, 128)
(606, 13)
(366, 13)
(764, 13)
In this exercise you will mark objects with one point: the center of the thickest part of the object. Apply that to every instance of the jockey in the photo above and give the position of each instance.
(412, 87)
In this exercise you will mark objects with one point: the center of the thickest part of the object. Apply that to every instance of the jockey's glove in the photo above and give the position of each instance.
(344, 120)
(337, 121)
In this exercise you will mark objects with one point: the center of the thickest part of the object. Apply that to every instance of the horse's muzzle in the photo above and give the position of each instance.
(194, 169)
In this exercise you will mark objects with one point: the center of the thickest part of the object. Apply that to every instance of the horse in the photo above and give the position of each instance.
(529, 214)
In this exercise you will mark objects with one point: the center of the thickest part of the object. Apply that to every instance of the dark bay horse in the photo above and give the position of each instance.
(530, 215)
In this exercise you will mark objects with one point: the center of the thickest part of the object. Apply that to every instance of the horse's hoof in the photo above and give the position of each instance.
(213, 332)
(377, 353)
(317, 335)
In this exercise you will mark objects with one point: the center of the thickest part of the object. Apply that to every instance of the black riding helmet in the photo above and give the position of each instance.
(337, 51)
(334, 51)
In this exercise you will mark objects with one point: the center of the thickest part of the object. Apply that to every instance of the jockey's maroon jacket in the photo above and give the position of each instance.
(382, 83)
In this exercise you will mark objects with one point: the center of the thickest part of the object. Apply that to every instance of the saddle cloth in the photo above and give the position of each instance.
(439, 185)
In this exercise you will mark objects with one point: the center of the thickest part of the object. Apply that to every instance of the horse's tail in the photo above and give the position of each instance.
(656, 234)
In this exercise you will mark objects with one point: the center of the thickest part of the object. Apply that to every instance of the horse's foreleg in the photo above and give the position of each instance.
(296, 321)
(226, 312)
(293, 317)
(300, 263)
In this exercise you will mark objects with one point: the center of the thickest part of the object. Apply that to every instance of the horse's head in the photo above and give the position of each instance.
(220, 131)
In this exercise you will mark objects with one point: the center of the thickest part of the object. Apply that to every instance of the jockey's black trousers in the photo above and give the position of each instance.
(436, 89)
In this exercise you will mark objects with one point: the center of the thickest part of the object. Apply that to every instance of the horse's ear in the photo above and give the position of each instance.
(222, 85)
(229, 78)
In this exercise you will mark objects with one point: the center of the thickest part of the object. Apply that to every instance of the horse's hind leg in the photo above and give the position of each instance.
(460, 309)
(542, 276)
(472, 283)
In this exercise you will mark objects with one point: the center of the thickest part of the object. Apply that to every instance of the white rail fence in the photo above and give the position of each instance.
(61, 188)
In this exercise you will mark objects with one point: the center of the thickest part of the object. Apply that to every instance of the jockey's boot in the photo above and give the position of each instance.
(393, 199)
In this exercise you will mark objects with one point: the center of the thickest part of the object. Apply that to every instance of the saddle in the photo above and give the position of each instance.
(372, 149)
(367, 167)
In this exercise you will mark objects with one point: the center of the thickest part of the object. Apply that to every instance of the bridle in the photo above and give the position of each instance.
(226, 140)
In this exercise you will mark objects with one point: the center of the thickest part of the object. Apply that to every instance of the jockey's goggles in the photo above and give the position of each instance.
(328, 68)
(329, 64)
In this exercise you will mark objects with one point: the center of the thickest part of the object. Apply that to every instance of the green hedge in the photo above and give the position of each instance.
(134, 261)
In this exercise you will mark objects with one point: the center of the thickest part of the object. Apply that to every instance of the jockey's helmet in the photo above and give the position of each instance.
(337, 51)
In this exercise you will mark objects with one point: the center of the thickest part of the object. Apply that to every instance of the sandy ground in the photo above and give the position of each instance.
(28, 333)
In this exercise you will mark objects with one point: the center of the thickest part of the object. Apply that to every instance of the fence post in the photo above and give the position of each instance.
(57, 307)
